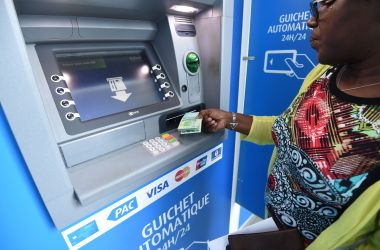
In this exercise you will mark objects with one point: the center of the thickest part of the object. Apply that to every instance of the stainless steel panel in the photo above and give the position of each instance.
(87, 148)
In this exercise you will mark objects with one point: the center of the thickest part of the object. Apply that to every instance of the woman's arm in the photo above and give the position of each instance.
(256, 129)
(216, 119)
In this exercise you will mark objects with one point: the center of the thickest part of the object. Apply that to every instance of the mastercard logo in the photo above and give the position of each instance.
(182, 174)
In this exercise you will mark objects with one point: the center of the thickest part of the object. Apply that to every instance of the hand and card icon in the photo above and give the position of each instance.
(287, 62)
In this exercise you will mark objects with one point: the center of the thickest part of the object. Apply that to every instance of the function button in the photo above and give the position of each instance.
(173, 140)
(165, 85)
(67, 103)
(169, 94)
(168, 137)
(161, 149)
(61, 90)
(165, 136)
(71, 116)
(56, 78)
(161, 76)
(156, 67)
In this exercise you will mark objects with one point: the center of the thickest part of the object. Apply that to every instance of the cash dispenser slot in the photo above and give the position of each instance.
(171, 121)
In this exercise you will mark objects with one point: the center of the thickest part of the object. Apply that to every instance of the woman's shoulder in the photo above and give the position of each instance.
(313, 75)
(318, 70)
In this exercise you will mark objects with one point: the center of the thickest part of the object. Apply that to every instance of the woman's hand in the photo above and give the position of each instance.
(215, 119)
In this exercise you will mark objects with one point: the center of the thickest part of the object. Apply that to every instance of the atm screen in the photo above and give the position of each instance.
(105, 83)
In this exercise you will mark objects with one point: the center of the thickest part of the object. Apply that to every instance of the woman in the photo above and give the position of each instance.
(324, 179)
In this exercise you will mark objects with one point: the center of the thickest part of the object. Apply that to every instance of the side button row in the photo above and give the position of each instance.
(70, 116)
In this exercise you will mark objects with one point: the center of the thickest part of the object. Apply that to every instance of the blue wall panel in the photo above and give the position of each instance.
(279, 39)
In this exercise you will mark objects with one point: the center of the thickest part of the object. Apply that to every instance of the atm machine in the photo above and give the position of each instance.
(95, 89)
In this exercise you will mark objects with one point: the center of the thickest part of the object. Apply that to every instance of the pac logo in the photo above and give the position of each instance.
(123, 209)
(182, 174)
(157, 189)
(201, 163)
(216, 153)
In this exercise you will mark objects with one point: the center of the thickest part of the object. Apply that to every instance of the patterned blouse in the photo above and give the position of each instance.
(328, 153)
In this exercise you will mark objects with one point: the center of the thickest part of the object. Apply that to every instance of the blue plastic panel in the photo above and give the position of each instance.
(279, 39)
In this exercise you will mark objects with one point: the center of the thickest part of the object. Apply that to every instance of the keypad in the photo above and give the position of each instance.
(159, 145)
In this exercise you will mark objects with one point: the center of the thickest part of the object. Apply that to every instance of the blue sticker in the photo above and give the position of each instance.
(83, 233)
(216, 153)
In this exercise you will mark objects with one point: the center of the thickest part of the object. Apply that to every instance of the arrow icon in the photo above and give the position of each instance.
(122, 96)
(117, 85)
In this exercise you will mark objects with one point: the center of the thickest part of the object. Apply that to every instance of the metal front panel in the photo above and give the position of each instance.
(90, 147)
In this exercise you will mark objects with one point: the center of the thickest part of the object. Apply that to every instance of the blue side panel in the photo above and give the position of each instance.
(279, 39)
(252, 177)
(236, 48)
(25, 223)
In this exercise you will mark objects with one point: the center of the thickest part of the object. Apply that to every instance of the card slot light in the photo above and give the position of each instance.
(184, 9)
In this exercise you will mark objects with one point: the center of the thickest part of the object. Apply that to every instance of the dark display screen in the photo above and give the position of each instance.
(106, 83)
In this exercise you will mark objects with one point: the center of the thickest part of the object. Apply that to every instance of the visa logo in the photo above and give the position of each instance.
(157, 189)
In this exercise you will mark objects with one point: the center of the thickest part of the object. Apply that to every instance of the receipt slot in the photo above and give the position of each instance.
(94, 85)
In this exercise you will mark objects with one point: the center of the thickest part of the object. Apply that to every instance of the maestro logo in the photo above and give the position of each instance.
(201, 163)
(182, 174)
(216, 153)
